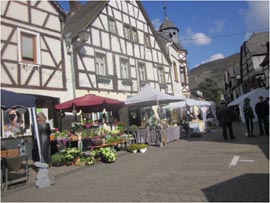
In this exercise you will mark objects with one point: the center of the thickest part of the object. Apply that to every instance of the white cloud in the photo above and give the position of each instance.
(256, 16)
(198, 39)
(156, 23)
(218, 26)
(213, 58)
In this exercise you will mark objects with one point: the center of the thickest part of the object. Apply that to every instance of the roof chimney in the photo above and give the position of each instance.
(74, 7)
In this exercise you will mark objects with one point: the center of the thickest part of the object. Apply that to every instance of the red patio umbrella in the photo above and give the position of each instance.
(90, 103)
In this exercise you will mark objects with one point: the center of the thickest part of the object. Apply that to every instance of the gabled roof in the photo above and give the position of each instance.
(88, 13)
(256, 42)
(84, 17)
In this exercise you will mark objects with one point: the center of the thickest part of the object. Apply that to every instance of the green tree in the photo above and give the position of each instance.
(210, 90)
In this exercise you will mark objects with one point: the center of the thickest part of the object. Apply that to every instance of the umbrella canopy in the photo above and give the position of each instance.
(189, 102)
(11, 99)
(149, 96)
(90, 103)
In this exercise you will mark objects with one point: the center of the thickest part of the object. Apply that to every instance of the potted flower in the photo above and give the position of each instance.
(133, 148)
(142, 148)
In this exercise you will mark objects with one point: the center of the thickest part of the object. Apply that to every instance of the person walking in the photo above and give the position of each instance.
(261, 109)
(44, 137)
(249, 116)
(225, 117)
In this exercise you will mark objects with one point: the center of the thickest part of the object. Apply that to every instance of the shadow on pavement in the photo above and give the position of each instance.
(244, 188)
(239, 130)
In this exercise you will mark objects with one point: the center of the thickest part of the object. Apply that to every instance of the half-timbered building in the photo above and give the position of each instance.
(32, 51)
(252, 53)
(123, 52)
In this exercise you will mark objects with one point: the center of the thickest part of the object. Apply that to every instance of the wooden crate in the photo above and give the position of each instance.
(9, 153)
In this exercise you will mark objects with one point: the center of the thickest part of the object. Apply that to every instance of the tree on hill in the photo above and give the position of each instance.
(210, 90)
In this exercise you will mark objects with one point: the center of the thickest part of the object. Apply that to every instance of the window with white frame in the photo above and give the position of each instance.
(28, 47)
(127, 32)
(183, 75)
(134, 35)
(142, 72)
(112, 27)
(161, 75)
(147, 40)
(100, 64)
(125, 72)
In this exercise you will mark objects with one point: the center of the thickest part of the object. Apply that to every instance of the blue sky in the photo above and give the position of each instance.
(209, 30)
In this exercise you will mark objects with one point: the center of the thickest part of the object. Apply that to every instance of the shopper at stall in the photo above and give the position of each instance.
(13, 127)
(44, 137)
(249, 116)
(225, 117)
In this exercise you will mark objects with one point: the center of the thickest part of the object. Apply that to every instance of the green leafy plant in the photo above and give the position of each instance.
(133, 147)
(58, 157)
(108, 154)
(133, 128)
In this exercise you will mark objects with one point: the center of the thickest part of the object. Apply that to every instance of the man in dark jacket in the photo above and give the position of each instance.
(225, 117)
(262, 109)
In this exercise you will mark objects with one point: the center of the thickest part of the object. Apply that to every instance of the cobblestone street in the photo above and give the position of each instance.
(188, 170)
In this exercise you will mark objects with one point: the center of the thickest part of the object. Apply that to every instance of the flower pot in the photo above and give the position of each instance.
(134, 151)
(143, 150)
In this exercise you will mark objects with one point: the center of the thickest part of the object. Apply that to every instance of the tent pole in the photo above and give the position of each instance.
(35, 125)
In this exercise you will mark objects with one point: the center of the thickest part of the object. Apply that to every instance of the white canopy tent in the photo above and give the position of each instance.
(189, 102)
(253, 95)
(149, 96)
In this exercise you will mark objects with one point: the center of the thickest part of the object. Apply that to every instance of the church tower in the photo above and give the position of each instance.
(168, 28)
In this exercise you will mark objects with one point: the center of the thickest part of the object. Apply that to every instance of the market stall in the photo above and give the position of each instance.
(149, 96)
(17, 140)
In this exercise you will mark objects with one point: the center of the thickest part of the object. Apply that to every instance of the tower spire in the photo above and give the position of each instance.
(165, 11)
